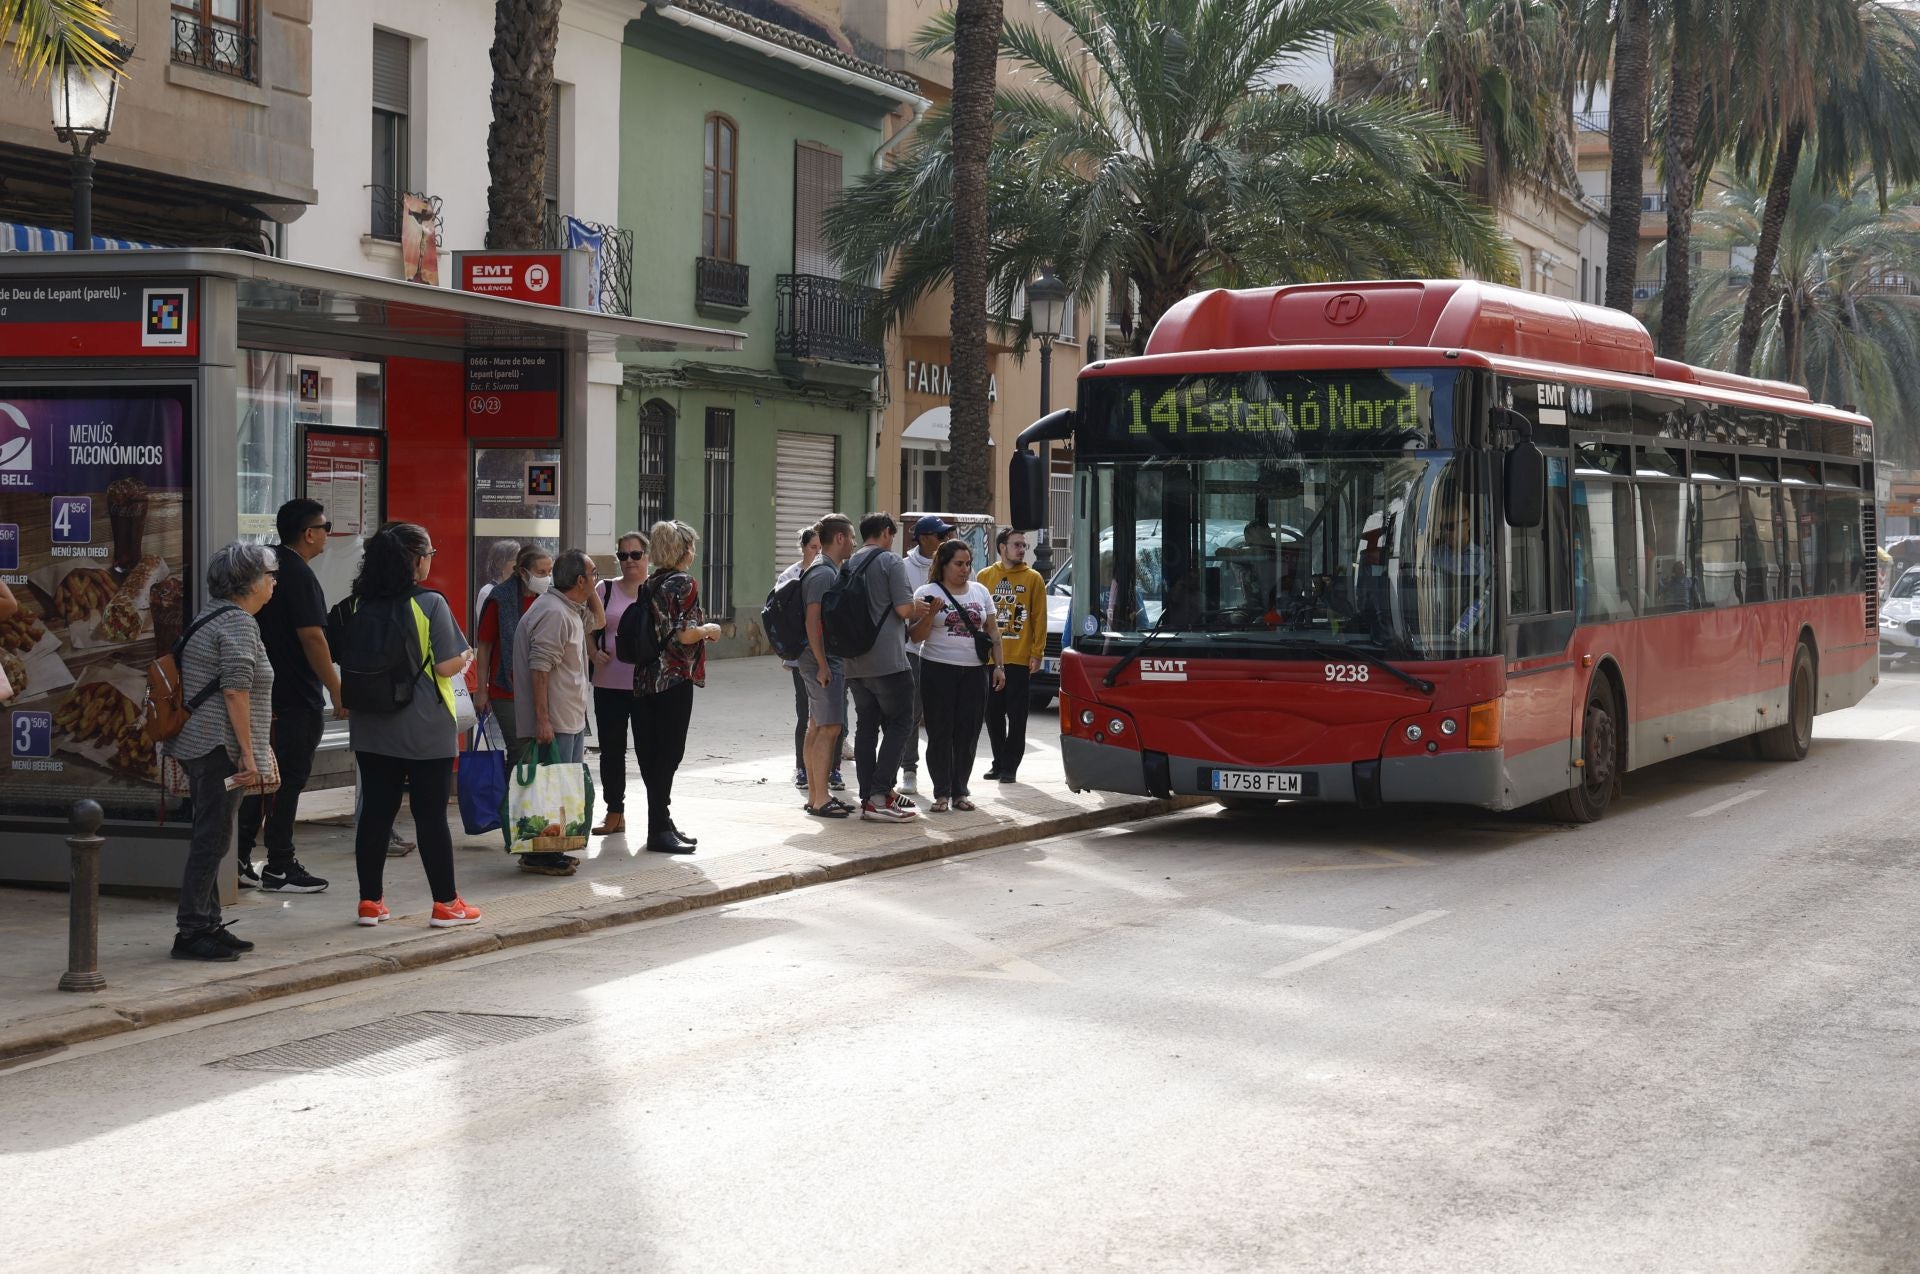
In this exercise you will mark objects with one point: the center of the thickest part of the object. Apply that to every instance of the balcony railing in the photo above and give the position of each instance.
(1590, 121)
(388, 209)
(721, 283)
(1652, 202)
(214, 46)
(825, 320)
(616, 258)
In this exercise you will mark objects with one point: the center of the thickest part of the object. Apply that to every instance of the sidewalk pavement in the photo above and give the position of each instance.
(735, 793)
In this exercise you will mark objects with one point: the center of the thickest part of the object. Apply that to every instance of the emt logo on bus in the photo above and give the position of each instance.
(1163, 670)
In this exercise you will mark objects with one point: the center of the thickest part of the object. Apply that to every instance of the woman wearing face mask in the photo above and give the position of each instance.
(499, 618)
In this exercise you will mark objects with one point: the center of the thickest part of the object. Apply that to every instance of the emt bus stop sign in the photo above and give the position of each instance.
(544, 278)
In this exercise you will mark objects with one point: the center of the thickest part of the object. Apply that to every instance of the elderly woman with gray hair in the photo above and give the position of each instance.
(663, 691)
(227, 684)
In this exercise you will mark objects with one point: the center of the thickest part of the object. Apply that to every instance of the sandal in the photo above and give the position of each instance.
(939, 806)
(834, 808)
(962, 803)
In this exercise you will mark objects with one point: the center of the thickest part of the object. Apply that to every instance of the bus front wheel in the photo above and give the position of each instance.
(1589, 797)
(1790, 740)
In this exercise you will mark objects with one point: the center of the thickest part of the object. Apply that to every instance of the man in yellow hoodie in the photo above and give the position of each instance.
(1020, 598)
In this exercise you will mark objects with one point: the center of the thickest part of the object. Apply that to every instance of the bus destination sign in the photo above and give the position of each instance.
(1266, 412)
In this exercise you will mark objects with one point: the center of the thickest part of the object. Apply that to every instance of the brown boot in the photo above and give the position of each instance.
(615, 824)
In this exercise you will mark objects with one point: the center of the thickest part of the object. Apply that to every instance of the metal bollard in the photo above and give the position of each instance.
(83, 902)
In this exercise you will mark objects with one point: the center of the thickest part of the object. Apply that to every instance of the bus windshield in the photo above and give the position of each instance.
(1291, 543)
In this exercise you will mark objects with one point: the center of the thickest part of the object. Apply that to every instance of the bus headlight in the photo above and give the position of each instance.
(1086, 716)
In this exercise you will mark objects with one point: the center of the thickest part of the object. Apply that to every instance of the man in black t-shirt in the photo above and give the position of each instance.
(293, 626)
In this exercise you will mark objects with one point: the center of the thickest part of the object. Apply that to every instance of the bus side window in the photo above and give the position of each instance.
(1666, 583)
(1603, 551)
(1718, 509)
(1538, 581)
(1759, 550)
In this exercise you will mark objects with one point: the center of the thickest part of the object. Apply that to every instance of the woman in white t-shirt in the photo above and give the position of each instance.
(962, 641)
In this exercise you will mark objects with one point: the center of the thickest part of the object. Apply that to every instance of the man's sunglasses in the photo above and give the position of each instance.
(630, 557)
(322, 526)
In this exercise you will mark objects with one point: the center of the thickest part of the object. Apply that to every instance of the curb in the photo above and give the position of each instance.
(33, 1041)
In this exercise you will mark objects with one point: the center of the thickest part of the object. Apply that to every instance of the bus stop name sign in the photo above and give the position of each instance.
(514, 393)
(95, 318)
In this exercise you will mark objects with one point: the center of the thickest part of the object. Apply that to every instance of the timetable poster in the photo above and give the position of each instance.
(93, 544)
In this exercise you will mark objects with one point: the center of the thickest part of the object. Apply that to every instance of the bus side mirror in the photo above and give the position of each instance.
(1027, 483)
(1029, 474)
(1525, 484)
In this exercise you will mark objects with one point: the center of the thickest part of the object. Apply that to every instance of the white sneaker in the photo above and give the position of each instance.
(889, 809)
(908, 780)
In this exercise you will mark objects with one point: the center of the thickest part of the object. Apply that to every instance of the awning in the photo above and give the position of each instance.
(15, 237)
(931, 428)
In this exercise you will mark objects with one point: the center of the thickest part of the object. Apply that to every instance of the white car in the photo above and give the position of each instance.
(1900, 619)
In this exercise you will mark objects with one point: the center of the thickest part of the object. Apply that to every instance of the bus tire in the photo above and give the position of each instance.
(1599, 778)
(1790, 740)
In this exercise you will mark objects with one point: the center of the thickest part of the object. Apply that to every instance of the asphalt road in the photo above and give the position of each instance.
(1682, 1039)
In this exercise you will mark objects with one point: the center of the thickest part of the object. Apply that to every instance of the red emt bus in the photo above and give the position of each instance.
(1445, 541)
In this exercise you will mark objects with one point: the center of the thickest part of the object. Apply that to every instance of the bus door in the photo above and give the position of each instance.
(1540, 725)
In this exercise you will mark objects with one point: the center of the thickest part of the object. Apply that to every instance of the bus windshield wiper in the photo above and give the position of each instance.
(1336, 651)
(1139, 649)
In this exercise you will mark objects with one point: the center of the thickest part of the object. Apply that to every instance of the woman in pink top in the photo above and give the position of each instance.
(613, 682)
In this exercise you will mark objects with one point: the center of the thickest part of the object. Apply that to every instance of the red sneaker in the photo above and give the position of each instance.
(372, 913)
(448, 914)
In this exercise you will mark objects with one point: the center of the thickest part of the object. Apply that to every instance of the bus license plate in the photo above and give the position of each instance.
(1258, 782)
(1050, 667)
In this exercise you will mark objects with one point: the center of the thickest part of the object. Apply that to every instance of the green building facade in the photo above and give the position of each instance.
(731, 149)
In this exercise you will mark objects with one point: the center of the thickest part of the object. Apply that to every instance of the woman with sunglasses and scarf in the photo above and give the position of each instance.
(613, 682)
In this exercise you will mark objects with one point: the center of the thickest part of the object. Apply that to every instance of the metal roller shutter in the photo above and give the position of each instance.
(805, 479)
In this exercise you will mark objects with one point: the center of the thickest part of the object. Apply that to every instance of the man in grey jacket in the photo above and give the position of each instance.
(554, 677)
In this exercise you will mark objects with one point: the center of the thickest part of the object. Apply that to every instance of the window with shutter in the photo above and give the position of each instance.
(392, 102)
(816, 185)
(720, 191)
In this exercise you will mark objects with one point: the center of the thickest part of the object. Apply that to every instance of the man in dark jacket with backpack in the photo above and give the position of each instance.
(881, 682)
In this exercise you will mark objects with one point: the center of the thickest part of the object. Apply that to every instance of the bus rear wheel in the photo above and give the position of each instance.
(1790, 740)
(1589, 797)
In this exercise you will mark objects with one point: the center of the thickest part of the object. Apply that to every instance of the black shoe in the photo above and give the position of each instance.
(1005, 776)
(203, 946)
(691, 840)
(991, 775)
(249, 875)
(229, 939)
(294, 880)
(548, 864)
(668, 842)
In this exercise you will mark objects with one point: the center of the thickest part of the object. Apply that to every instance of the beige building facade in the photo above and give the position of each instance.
(212, 141)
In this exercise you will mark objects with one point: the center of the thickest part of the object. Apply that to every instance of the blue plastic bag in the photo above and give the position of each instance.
(483, 782)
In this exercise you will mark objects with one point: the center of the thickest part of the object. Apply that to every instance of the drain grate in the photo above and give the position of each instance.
(394, 1045)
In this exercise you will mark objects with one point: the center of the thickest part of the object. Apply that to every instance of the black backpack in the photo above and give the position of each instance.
(784, 618)
(846, 612)
(637, 640)
(377, 645)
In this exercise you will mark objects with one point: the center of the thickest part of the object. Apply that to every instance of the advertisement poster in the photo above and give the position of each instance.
(93, 544)
(419, 240)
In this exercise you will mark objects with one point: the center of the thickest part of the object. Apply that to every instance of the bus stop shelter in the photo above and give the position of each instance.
(157, 405)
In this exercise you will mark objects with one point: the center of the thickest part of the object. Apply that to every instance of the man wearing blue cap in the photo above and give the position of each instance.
(928, 534)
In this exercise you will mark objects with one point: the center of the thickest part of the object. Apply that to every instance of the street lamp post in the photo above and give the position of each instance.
(83, 102)
(1049, 303)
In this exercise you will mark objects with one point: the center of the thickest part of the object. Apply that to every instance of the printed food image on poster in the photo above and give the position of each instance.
(93, 504)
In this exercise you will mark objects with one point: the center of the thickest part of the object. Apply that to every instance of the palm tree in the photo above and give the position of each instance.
(1631, 22)
(1845, 76)
(1500, 69)
(1159, 149)
(1700, 63)
(49, 33)
(526, 34)
(976, 46)
(1844, 321)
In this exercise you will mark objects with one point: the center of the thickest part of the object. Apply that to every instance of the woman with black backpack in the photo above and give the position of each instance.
(403, 733)
(663, 688)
